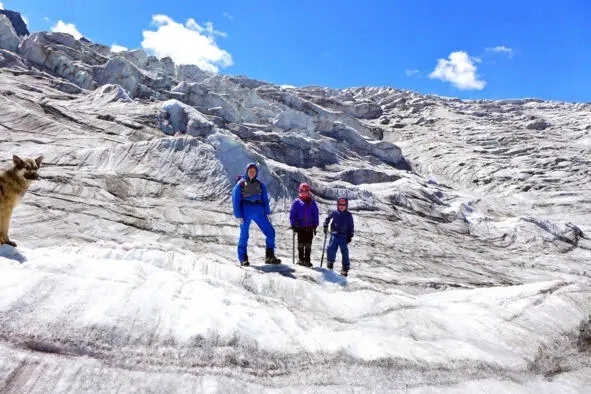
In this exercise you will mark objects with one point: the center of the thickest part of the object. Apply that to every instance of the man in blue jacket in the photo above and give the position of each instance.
(341, 230)
(251, 202)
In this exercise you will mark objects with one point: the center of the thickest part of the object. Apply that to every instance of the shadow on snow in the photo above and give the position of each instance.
(11, 253)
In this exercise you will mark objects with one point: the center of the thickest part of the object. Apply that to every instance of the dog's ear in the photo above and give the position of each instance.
(38, 161)
(18, 162)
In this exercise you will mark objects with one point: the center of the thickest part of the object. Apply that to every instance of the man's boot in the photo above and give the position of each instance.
(270, 257)
(330, 265)
(244, 262)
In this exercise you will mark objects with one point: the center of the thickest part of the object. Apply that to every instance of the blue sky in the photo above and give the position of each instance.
(468, 49)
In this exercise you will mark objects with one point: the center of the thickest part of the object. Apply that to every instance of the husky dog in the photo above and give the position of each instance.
(14, 182)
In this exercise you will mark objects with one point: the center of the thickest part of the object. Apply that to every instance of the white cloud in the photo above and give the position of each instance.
(459, 70)
(501, 49)
(186, 44)
(227, 15)
(46, 19)
(63, 27)
(25, 19)
(410, 73)
(118, 48)
(1, 5)
(208, 29)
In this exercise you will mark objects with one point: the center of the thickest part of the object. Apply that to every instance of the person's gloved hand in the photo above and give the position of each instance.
(349, 238)
(325, 229)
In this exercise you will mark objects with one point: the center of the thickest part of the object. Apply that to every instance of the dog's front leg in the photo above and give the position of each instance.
(3, 232)
(7, 241)
(4, 240)
(4, 222)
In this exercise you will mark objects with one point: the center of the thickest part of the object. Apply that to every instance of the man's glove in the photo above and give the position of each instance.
(349, 238)
(325, 229)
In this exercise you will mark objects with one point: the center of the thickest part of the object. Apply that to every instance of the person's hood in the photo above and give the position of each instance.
(249, 166)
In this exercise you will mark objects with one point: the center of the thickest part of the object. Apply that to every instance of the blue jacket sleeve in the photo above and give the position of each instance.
(265, 197)
(237, 199)
(292, 214)
(315, 219)
(327, 220)
(351, 226)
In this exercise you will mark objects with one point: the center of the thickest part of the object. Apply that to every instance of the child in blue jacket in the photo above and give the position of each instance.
(341, 231)
(303, 217)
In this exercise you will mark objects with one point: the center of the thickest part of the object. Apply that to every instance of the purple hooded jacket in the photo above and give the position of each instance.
(304, 213)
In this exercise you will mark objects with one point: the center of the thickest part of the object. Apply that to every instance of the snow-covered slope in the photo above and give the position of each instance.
(471, 263)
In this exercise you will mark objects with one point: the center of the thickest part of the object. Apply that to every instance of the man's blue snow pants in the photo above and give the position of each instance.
(256, 213)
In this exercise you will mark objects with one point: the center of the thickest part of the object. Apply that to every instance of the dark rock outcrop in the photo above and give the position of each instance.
(17, 22)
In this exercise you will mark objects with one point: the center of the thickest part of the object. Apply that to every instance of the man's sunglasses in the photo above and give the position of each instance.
(342, 205)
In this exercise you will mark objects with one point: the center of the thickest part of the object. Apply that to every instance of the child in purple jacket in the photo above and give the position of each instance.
(303, 217)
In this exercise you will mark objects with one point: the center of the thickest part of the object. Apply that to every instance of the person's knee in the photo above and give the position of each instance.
(270, 229)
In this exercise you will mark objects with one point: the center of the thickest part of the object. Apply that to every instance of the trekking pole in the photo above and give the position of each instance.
(293, 249)
(323, 247)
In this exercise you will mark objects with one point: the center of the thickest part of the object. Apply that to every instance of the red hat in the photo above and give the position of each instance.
(304, 190)
(304, 187)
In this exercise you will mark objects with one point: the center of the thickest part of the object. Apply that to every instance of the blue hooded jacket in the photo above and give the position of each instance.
(342, 221)
(245, 184)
